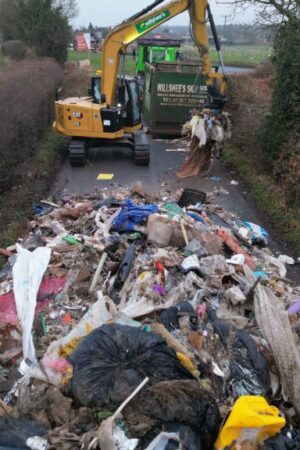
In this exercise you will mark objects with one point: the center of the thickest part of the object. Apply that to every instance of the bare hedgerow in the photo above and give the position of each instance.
(77, 80)
(15, 50)
(249, 100)
(27, 93)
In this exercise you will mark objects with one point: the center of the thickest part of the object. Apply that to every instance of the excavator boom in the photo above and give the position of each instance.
(138, 25)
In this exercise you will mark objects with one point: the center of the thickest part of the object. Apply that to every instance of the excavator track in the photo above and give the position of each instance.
(77, 153)
(141, 152)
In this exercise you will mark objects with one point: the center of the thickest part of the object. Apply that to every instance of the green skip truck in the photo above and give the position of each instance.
(170, 88)
(154, 50)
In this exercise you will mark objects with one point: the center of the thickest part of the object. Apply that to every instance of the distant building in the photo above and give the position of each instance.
(82, 41)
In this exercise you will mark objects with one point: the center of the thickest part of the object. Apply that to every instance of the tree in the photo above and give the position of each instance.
(91, 28)
(69, 8)
(280, 144)
(270, 11)
(41, 24)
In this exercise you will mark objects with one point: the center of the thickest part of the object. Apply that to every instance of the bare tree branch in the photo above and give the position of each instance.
(68, 7)
(274, 11)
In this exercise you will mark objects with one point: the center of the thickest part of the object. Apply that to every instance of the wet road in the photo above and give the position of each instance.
(237, 69)
(118, 162)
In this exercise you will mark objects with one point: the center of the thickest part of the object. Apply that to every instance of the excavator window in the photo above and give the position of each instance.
(97, 93)
(133, 107)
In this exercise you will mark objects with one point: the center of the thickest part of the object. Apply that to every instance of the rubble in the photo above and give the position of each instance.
(116, 288)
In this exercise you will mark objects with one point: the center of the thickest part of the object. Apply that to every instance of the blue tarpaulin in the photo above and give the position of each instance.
(132, 215)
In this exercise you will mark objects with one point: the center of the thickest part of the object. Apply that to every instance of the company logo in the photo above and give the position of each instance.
(144, 26)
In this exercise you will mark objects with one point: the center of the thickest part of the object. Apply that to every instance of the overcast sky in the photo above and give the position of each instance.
(112, 12)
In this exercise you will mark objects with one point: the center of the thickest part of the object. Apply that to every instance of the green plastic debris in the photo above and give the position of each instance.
(43, 324)
(134, 236)
(172, 209)
(71, 240)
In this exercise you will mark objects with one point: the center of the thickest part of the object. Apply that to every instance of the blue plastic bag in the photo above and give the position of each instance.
(132, 215)
(258, 234)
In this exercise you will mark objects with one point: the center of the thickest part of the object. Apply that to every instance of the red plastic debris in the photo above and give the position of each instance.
(67, 319)
(234, 246)
(49, 288)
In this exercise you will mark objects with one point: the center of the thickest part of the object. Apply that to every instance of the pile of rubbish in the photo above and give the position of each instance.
(207, 132)
(129, 322)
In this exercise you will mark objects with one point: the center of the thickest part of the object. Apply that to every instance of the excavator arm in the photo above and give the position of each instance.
(124, 34)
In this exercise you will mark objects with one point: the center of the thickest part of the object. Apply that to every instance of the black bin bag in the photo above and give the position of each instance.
(15, 432)
(114, 359)
(286, 440)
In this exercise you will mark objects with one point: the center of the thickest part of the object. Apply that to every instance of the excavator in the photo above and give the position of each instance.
(112, 112)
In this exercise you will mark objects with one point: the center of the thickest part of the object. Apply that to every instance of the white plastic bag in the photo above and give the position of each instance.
(52, 361)
(28, 273)
(162, 440)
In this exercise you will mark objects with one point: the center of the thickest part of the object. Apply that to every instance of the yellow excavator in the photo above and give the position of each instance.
(112, 112)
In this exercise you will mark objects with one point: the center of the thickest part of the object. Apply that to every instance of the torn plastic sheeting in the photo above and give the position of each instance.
(249, 370)
(132, 215)
(162, 440)
(215, 266)
(138, 305)
(28, 273)
(143, 307)
(49, 288)
(275, 326)
(114, 359)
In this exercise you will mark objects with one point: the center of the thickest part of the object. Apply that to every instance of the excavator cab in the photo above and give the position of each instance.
(127, 98)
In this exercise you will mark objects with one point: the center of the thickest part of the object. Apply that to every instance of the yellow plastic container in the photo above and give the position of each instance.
(251, 418)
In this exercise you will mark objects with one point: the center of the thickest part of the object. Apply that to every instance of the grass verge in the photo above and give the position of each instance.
(243, 55)
(96, 60)
(34, 181)
(240, 55)
(269, 196)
